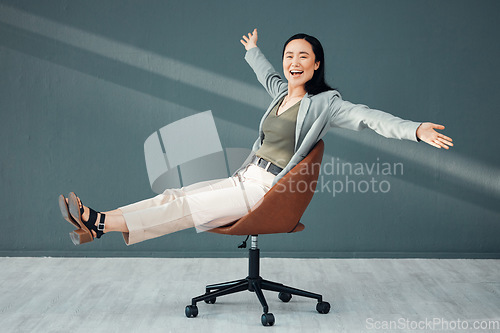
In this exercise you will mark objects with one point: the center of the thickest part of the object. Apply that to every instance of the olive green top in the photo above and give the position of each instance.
(279, 135)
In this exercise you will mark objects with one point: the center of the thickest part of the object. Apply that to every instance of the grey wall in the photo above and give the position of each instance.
(84, 83)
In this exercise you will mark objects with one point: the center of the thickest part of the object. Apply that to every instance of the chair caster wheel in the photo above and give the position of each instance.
(323, 307)
(267, 319)
(211, 300)
(285, 297)
(191, 311)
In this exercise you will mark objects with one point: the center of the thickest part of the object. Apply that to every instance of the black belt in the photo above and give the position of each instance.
(268, 166)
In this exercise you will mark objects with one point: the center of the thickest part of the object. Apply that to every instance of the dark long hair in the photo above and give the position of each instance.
(317, 84)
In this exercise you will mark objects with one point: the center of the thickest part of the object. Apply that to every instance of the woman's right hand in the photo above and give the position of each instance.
(251, 41)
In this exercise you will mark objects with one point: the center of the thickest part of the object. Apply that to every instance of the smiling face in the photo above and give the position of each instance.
(299, 62)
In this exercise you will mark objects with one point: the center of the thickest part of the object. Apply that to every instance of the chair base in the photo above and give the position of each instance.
(254, 283)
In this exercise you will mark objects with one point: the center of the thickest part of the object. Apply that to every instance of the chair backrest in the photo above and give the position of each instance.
(282, 206)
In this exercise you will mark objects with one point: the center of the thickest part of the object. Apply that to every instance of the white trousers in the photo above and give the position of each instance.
(203, 205)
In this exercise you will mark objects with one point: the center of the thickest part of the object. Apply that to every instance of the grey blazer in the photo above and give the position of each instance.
(318, 113)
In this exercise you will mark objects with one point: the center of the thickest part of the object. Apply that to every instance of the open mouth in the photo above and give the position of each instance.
(296, 73)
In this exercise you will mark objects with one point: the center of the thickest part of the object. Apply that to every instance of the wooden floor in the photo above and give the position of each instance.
(149, 295)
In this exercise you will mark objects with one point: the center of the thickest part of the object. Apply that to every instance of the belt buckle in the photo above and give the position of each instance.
(268, 164)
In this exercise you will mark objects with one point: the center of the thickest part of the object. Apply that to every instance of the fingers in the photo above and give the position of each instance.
(251, 35)
(427, 133)
(434, 144)
(444, 143)
(244, 41)
(441, 136)
(437, 126)
(249, 40)
(431, 141)
(445, 138)
(440, 140)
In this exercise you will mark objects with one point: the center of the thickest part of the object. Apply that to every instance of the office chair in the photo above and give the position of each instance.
(279, 212)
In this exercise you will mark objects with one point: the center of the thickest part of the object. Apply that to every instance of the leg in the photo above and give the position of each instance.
(260, 296)
(172, 194)
(115, 221)
(215, 205)
(278, 287)
(204, 205)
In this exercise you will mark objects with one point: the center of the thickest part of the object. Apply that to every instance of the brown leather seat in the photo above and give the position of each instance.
(278, 212)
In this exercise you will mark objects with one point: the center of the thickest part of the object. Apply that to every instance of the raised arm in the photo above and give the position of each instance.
(266, 74)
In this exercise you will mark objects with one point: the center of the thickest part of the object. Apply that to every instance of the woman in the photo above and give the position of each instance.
(302, 111)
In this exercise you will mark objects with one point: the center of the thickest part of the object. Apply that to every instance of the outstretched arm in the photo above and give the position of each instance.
(358, 116)
(427, 134)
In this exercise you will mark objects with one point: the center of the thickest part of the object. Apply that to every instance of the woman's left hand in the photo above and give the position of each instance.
(426, 133)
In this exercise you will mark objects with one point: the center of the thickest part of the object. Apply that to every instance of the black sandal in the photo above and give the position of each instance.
(84, 235)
